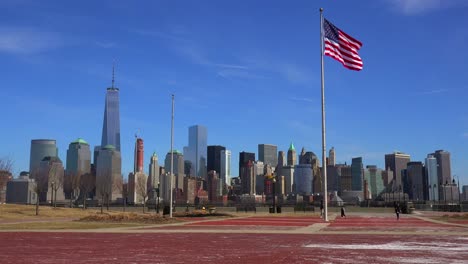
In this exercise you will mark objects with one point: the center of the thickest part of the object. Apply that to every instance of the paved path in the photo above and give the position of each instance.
(366, 238)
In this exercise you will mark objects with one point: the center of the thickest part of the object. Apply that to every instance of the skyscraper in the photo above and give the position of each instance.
(154, 171)
(396, 162)
(78, 157)
(139, 154)
(331, 157)
(247, 176)
(432, 177)
(244, 158)
(267, 154)
(214, 158)
(111, 125)
(213, 185)
(303, 179)
(108, 172)
(443, 166)
(374, 179)
(225, 172)
(41, 148)
(357, 170)
(196, 150)
(51, 171)
(78, 162)
(292, 159)
(416, 182)
(178, 168)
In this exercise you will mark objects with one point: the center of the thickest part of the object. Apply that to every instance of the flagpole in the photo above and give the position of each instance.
(324, 149)
(172, 156)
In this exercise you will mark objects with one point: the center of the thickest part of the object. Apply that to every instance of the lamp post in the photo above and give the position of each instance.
(274, 194)
(157, 196)
(451, 190)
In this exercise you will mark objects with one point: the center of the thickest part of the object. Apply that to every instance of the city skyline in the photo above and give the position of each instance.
(436, 121)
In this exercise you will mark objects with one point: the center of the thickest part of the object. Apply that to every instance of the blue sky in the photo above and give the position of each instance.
(247, 70)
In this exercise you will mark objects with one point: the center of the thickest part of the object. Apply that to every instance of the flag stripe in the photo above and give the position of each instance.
(343, 61)
(347, 65)
(348, 58)
(341, 46)
(346, 50)
(351, 39)
(357, 63)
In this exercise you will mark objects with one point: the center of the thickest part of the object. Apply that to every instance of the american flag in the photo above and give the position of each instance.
(341, 46)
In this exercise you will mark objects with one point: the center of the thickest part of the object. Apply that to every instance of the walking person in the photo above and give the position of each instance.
(343, 214)
(321, 208)
(397, 211)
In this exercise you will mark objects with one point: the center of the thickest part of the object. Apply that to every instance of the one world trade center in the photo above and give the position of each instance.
(111, 126)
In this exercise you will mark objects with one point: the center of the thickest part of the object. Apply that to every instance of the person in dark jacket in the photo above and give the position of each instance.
(397, 211)
(321, 208)
(343, 214)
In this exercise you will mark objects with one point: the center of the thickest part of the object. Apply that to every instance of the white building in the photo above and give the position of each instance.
(225, 173)
(432, 177)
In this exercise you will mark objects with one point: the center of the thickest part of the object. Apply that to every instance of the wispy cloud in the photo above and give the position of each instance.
(293, 73)
(413, 7)
(465, 134)
(237, 73)
(18, 40)
(437, 91)
(303, 99)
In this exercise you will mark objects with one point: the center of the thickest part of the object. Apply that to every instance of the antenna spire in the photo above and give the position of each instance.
(113, 73)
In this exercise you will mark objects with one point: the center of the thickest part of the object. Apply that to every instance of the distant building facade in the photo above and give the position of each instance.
(41, 148)
(396, 162)
(332, 157)
(108, 173)
(292, 158)
(267, 154)
(178, 167)
(111, 124)
(225, 171)
(21, 191)
(196, 151)
(432, 177)
(303, 179)
(357, 170)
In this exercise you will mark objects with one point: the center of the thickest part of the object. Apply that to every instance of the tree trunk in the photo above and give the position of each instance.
(37, 204)
(107, 202)
(102, 204)
(144, 204)
(84, 202)
(71, 200)
(55, 199)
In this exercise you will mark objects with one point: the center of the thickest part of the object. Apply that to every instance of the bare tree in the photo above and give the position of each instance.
(56, 182)
(73, 185)
(6, 164)
(6, 167)
(104, 187)
(141, 187)
(39, 186)
(121, 186)
(87, 184)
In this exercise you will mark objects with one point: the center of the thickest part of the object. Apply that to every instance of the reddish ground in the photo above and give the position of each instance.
(228, 248)
(389, 224)
(262, 221)
(426, 246)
